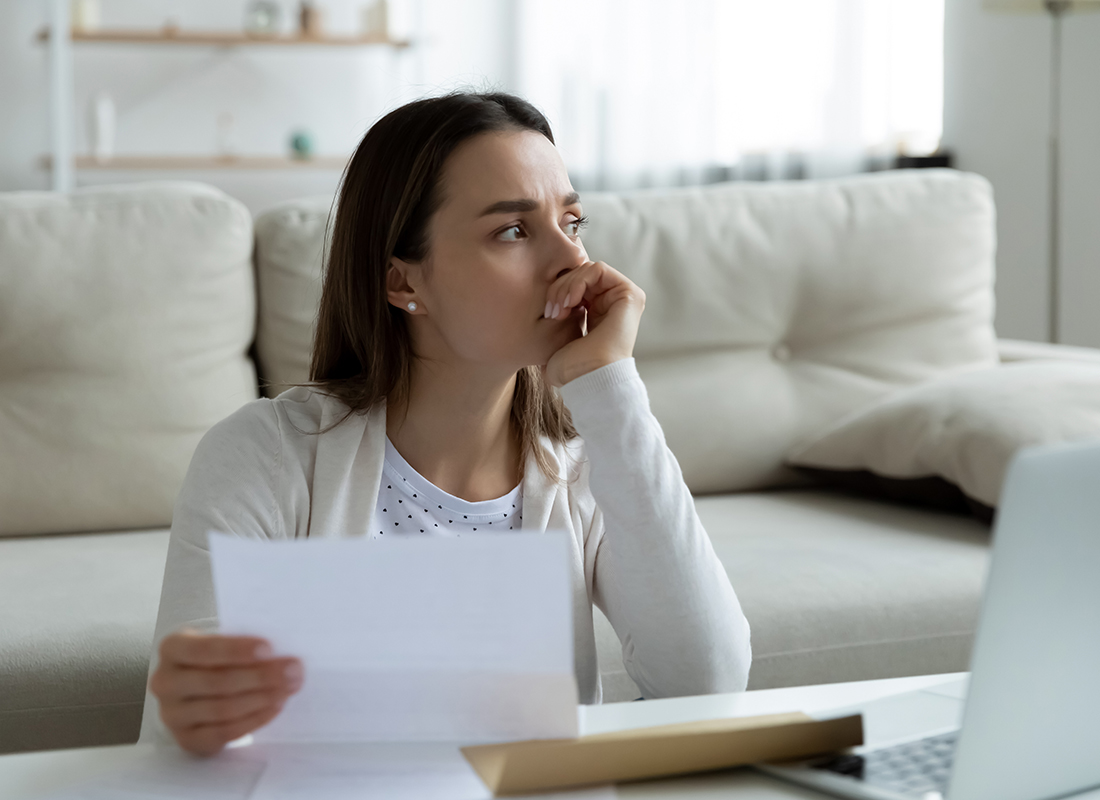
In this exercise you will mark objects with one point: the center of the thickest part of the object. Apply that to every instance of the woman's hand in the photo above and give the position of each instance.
(214, 689)
(614, 307)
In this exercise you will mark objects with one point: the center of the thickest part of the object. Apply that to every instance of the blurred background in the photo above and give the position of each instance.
(267, 98)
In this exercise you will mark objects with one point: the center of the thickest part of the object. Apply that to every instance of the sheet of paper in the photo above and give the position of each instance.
(382, 772)
(170, 774)
(410, 639)
(424, 771)
(364, 772)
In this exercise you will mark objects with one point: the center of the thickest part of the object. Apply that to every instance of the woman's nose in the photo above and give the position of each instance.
(571, 256)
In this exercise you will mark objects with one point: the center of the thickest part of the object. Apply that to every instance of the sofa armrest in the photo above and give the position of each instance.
(1011, 350)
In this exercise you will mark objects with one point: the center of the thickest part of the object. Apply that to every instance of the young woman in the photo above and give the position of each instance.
(457, 296)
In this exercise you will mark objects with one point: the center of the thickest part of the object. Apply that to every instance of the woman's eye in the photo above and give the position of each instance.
(510, 234)
(574, 226)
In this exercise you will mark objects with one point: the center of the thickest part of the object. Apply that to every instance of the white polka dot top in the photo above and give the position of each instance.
(410, 504)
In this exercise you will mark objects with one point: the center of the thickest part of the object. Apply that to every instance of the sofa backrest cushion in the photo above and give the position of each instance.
(772, 309)
(126, 314)
(289, 242)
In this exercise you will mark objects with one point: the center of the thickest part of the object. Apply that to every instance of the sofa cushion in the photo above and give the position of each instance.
(290, 239)
(838, 588)
(772, 309)
(126, 314)
(965, 428)
(841, 589)
(76, 628)
(775, 309)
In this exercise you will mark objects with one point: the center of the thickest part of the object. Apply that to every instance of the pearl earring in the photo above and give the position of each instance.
(412, 306)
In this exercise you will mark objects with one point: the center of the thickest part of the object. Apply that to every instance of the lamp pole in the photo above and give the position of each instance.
(1057, 10)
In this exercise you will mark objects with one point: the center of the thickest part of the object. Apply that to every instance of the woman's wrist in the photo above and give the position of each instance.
(571, 372)
(600, 379)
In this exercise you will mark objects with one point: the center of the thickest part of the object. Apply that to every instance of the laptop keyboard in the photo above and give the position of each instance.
(914, 769)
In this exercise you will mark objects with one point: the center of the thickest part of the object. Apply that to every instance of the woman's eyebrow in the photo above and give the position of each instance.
(515, 206)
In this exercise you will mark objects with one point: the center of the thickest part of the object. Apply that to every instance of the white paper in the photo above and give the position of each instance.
(410, 639)
(393, 771)
(384, 772)
(170, 774)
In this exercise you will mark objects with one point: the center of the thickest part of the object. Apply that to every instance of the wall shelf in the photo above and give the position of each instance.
(60, 38)
(202, 162)
(221, 38)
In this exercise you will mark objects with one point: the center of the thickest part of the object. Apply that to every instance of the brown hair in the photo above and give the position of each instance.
(362, 349)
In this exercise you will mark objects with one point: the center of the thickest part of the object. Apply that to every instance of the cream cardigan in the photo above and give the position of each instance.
(639, 551)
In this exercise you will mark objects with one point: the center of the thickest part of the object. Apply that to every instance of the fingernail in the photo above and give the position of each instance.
(262, 651)
(557, 310)
(293, 674)
(549, 307)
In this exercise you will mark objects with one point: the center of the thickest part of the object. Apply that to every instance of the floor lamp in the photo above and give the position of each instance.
(1057, 10)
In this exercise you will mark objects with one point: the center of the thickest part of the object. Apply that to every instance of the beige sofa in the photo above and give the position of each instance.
(132, 318)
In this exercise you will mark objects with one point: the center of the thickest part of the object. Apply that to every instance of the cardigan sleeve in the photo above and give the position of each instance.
(655, 575)
(231, 486)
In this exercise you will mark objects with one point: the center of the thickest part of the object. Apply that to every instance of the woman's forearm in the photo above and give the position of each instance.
(656, 574)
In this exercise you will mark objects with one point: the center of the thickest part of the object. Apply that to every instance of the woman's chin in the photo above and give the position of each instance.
(551, 342)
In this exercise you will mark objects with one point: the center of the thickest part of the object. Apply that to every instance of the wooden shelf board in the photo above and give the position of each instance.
(220, 38)
(203, 162)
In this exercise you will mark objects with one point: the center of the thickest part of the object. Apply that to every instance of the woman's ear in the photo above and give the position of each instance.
(399, 290)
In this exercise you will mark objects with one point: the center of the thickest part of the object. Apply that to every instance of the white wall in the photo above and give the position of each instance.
(996, 112)
(1081, 181)
(168, 99)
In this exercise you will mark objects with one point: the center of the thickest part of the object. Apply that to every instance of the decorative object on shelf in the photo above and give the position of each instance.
(226, 145)
(103, 127)
(310, 19)
(1057, 10)
(301, 145)
(261, 18)
(85, 16)
(376, 20)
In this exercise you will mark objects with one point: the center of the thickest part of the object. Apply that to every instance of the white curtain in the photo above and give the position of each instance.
(652, 92)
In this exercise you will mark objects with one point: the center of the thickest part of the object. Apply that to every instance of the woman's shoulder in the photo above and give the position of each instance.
(299, 414)
(305, 409)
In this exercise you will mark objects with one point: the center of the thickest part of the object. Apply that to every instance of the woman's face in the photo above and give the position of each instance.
(507, 226)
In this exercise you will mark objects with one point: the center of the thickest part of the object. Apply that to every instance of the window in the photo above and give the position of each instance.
(642, 92)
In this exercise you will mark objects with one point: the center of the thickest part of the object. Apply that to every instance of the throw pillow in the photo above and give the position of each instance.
(963, 428)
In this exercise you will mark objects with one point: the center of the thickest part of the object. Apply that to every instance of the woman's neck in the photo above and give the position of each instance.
(457, 432)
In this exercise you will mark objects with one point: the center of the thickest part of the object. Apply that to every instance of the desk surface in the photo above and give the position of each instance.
(28, 775)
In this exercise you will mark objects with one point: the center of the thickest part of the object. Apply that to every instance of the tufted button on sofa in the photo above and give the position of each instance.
(133, 318)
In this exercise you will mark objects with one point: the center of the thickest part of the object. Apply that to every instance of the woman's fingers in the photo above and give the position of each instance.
(219, 710)
(213, 650)
(594, 284)
(612, 305)
(180, 683)
(568, 290)
(213, 689)
(207, 740)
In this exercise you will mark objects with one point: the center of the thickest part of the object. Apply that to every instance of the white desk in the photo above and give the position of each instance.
(30, 775)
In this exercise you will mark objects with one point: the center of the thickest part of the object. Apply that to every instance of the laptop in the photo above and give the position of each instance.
(1030, 727)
